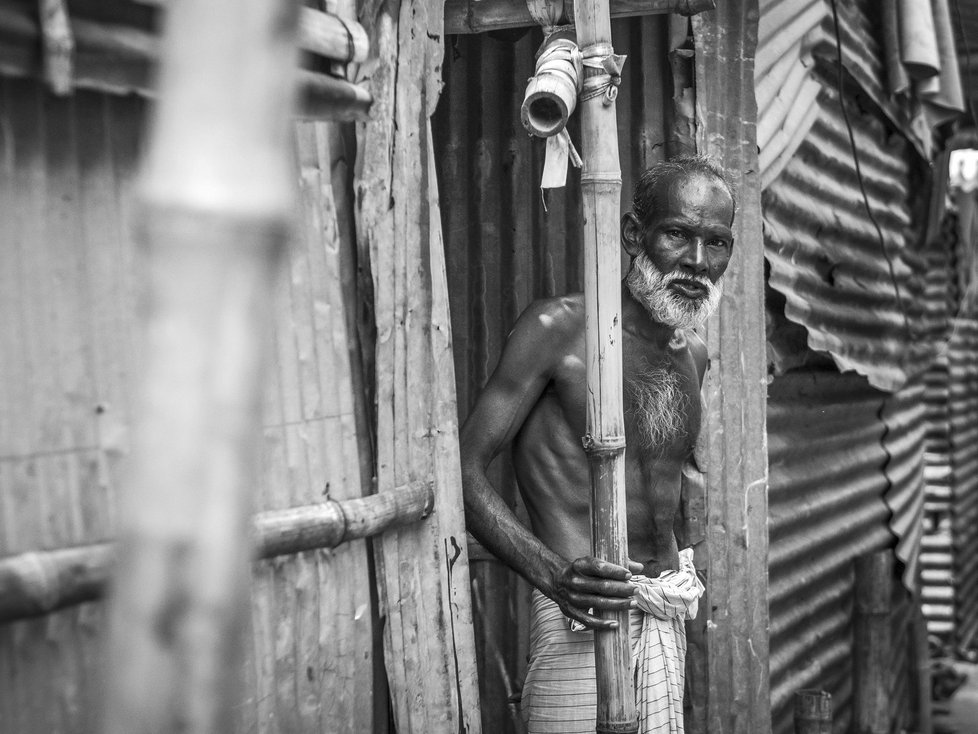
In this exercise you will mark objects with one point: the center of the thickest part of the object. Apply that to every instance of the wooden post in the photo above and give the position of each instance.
(216, 199)
(734, 615)
(922, 665)
(871, 643)
(605, 439)
(813, 712)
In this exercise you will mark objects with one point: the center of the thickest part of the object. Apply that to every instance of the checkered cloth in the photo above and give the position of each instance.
(559, 691)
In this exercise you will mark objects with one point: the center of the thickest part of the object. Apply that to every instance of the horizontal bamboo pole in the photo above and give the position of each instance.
(323, 97)
(480, 16)
(36, 583)
(330, 524)
(117, 58)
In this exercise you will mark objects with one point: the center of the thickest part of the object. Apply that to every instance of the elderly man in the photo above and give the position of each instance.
(679, 237)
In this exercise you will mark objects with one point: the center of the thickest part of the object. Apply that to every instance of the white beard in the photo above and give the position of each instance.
(658, 406)
(650, 287)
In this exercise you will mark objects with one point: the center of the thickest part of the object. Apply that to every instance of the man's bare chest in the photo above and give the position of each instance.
(660, 397)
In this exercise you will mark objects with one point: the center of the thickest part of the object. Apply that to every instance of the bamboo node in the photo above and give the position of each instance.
(602, 58)
(600, 446)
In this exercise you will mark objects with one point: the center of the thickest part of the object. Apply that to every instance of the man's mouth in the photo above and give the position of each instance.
(691, 289)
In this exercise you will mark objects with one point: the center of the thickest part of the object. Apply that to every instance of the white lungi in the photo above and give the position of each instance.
(559, 692)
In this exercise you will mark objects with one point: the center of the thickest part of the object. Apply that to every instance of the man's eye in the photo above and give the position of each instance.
(717, 243)
(675, 233)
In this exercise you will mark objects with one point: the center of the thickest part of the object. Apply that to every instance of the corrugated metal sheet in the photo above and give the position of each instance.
(504, 249)
(785, 89)
(826, 490)
(904, 415)
(936, 559)
(963, 368)
(826, 256)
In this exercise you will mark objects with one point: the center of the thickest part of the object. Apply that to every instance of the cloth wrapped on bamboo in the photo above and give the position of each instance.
(559, 692)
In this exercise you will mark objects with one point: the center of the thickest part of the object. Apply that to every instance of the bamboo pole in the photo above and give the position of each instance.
(216, 198)
(481, 16)
(36, 583)
(119, 58)
(605, 439)
(871, 643)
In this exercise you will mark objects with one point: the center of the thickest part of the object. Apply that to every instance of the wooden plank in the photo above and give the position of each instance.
(736, 554)
(423, 571)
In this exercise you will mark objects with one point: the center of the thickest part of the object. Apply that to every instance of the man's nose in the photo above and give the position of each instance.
(695, 258)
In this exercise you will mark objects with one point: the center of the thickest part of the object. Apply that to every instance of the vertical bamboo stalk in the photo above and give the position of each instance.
(605, 439)
(871, 643)
(813, 712)
(216, 197)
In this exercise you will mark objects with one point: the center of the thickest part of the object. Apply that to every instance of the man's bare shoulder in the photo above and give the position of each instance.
(552, 319)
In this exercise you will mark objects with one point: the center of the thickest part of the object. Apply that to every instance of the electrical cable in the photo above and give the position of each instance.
(859, 173)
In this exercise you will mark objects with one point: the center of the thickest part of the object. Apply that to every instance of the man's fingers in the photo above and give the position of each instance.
(592, 601)
(635, 566)
(590, 566)
(589, 620)
(579, 585)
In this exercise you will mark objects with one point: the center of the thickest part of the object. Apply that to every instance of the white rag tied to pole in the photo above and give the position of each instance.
(551, 95)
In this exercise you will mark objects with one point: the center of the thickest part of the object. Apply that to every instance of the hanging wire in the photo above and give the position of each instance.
(859, 173)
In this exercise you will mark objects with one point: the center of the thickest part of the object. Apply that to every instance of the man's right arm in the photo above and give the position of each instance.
(526, 366)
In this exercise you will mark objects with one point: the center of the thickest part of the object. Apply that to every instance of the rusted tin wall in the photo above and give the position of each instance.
(904, 416)
(842, 283)
(846, 450)
(504, 249)
(827, 482)
(67, 276)
(963, 368)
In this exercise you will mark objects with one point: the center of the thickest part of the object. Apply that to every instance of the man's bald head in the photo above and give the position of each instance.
(650, 190)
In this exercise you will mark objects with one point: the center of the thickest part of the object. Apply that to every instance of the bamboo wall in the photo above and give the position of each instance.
(68, 271)
(66, 276)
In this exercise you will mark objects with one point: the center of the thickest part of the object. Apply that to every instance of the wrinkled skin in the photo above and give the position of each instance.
(535, 400)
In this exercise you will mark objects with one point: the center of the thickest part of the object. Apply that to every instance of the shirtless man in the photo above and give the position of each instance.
(680, 240)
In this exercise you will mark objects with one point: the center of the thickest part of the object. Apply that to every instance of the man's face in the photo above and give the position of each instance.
(683, 250)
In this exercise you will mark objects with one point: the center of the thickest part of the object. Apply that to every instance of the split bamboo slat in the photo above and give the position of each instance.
(423, 575)
(605, 438)
(731, 632)
(38, 582)
(120, 58)
(481, 16)
(217, 198)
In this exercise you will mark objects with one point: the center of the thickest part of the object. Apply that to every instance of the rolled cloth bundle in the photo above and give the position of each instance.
(550, 99)
(551, 93)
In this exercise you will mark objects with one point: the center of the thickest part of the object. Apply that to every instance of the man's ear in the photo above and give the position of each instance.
(631, 233)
